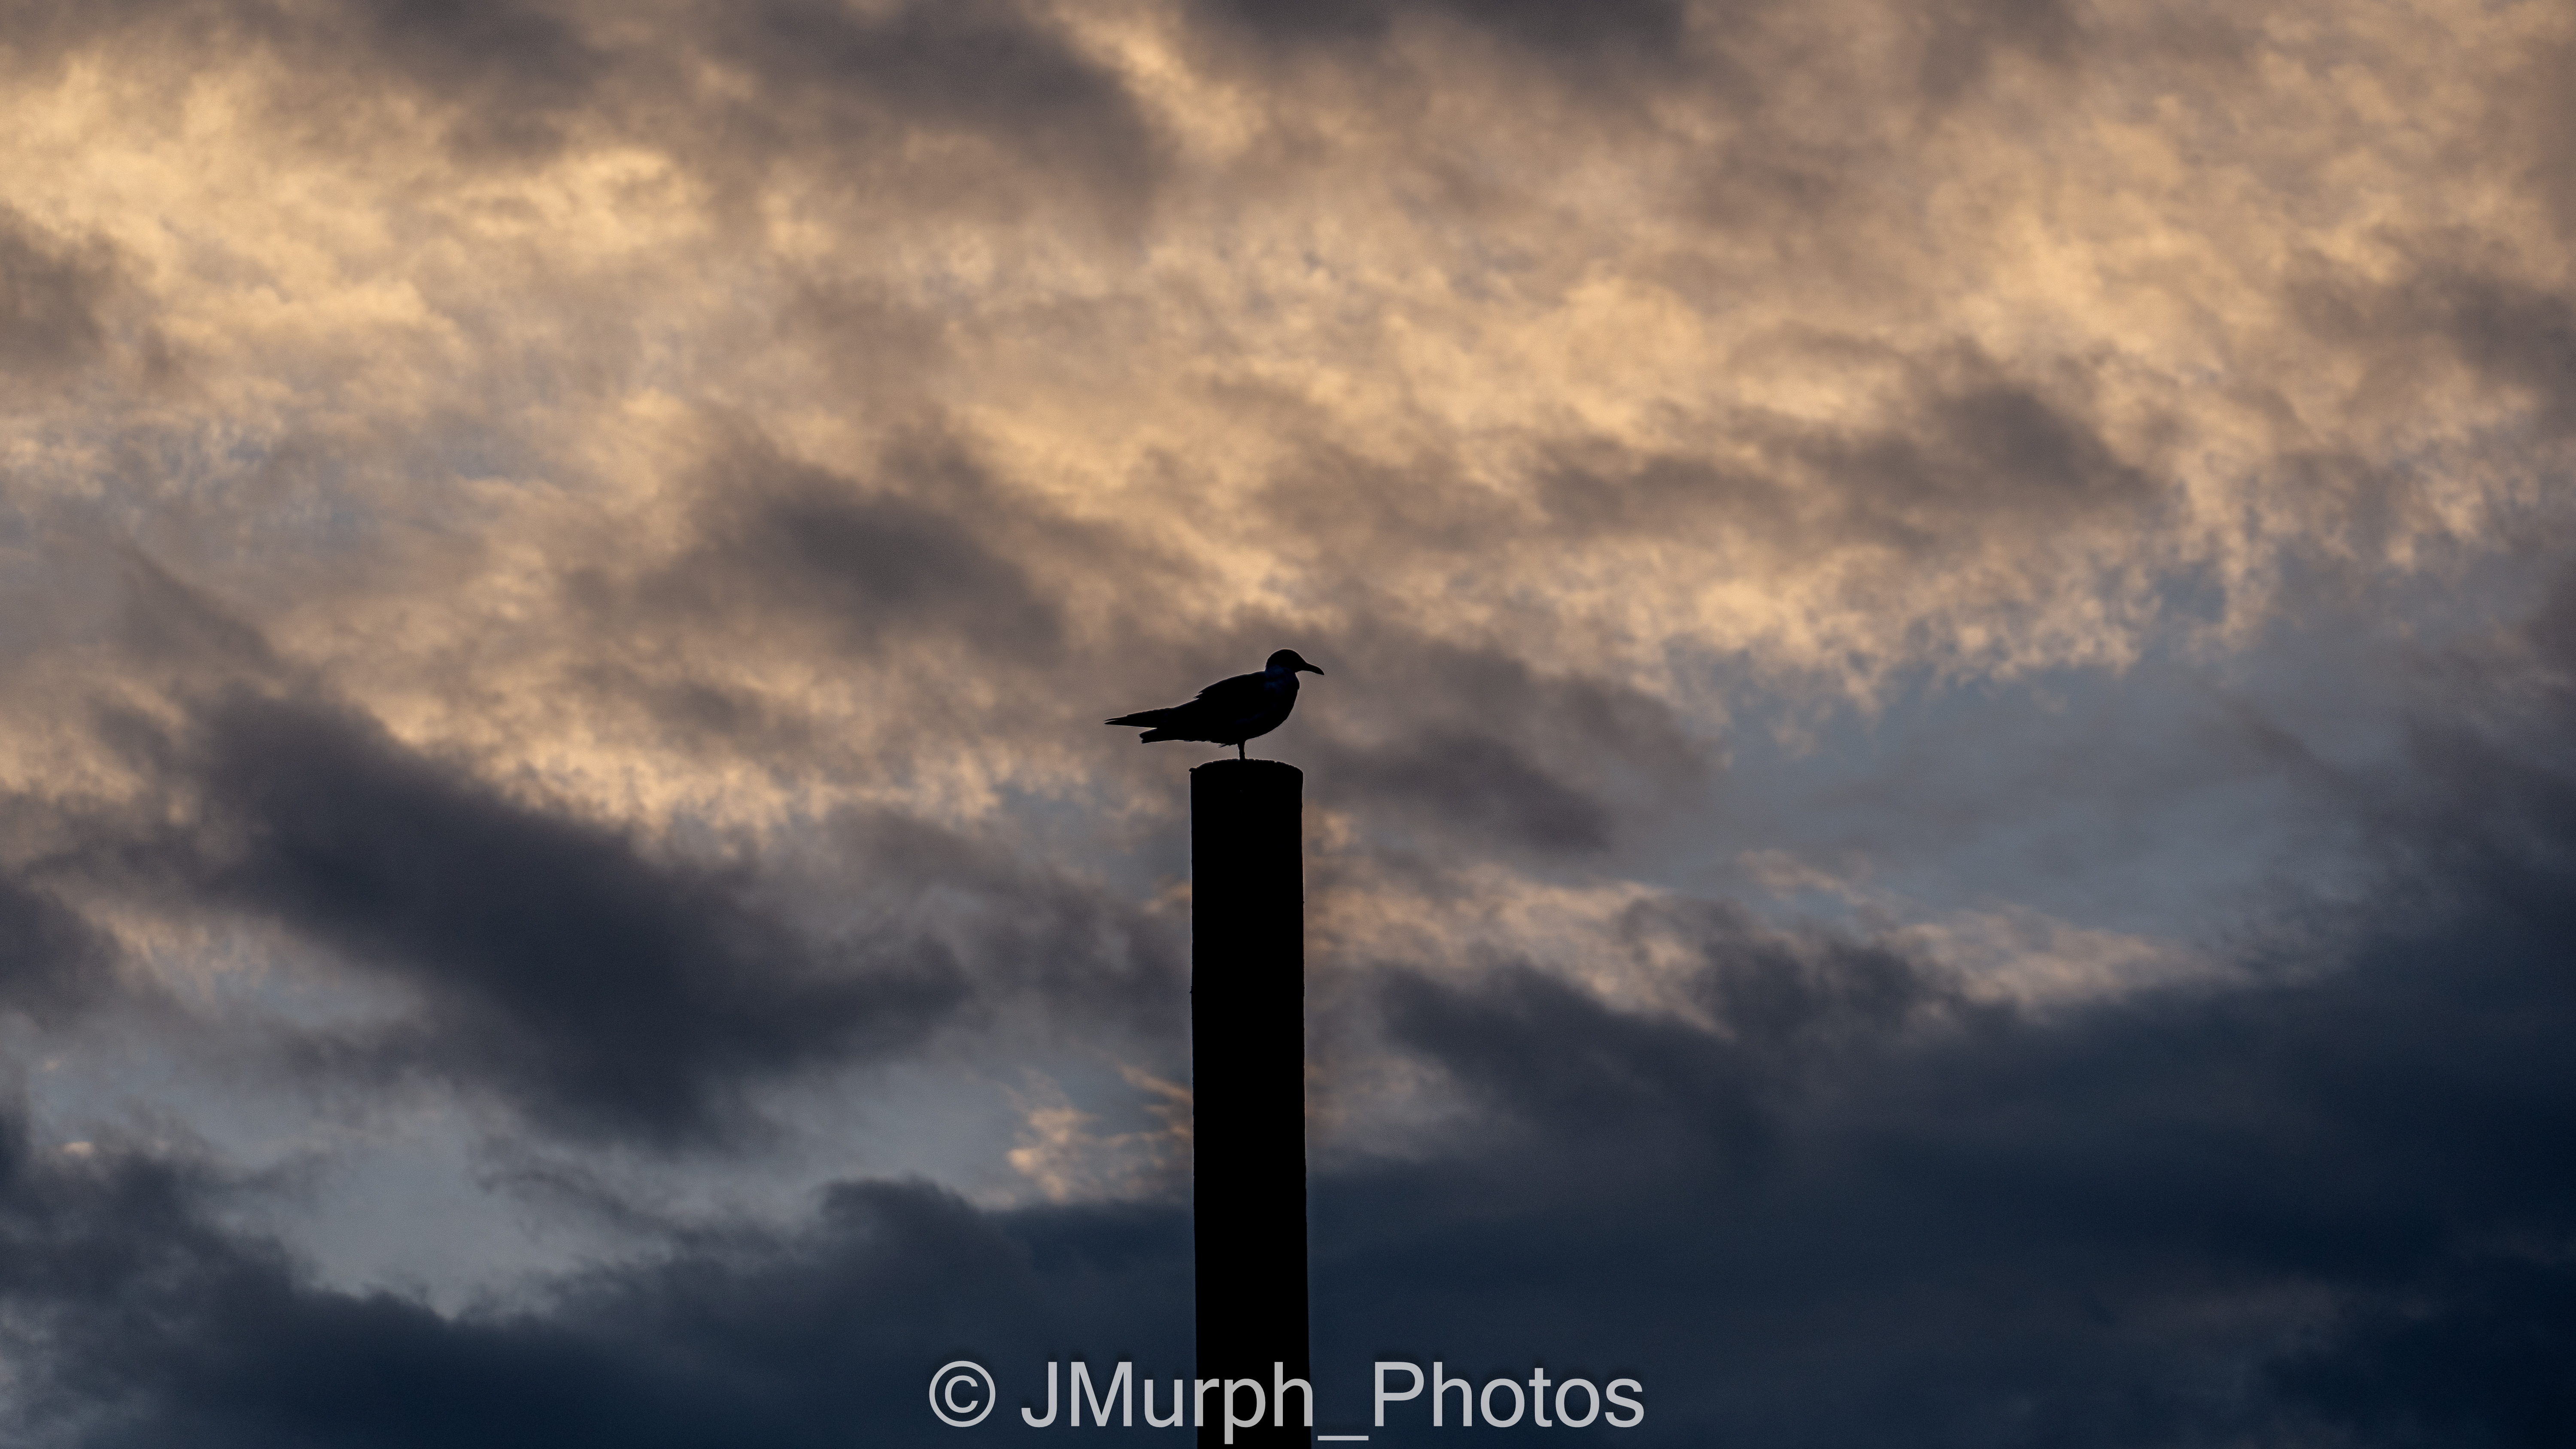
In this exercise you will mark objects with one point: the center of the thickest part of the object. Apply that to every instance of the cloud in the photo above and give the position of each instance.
(54, 294)
(1473, 745)
(1471, 781)
(2196, 1211)
(787, 545)
(1548, 29)
(1937, 816)
(2509, 333)
(52, 960)
(512, 73)
(846, 84)
(1966, 39)
(501, 76)
(1832, 1202)
(799, 1338)
(2090, 1231)
(1973, 452)
(2521, 338)
(2466, 1359)
(604, 991)
(954, 104)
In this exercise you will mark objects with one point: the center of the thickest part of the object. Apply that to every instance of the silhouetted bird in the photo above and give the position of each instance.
(1230, 711)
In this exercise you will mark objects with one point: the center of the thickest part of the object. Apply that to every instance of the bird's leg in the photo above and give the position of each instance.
(1238, 751)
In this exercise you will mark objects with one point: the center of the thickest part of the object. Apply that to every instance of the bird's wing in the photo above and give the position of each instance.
(1242, 692)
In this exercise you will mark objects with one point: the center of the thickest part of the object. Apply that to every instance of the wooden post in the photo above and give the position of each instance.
(1248, 1088)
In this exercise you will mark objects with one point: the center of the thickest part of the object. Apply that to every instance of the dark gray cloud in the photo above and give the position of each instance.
(1967, 36)
(2536, 114)
(785, 545)
(605, 991)
(840, 86)
(1597, 49)
(1986, 449)
(1714, 1098)
(1645, 27)
(2518, 337)
(53, 295)
(512, 72)
(53, 962)
(1480, 750)
(1470, 782)
(1970, 453)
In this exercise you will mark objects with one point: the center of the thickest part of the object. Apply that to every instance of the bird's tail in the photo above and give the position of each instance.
(1160, 720)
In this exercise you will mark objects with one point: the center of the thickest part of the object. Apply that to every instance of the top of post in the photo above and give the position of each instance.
(1229, 783)
(1247, 771)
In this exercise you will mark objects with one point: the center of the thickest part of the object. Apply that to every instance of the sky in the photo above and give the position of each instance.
(1941, 811)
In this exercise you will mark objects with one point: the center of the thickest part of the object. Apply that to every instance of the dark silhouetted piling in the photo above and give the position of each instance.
(1248, 1087)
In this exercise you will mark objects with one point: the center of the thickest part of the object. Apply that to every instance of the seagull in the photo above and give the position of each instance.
(1229, 711)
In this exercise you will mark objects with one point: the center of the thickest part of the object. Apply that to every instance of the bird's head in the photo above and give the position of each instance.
(1287, 659)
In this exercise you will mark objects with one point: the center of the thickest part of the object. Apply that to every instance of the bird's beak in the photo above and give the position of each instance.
(1306, 668)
